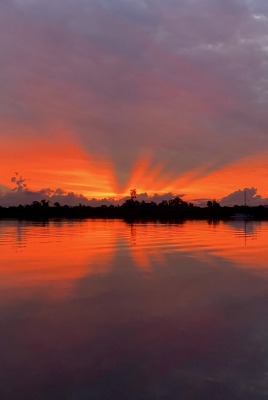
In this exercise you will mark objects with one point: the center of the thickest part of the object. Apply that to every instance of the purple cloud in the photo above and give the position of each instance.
(239, 196)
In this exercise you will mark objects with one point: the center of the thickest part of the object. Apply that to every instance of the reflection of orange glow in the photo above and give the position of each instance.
(59, 255)
(145, 246)
(60, 252)
(203, 242)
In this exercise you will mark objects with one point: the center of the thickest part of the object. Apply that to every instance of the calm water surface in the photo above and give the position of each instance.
(108, 310)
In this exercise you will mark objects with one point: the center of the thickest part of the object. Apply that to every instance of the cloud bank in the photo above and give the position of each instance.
(21, 194)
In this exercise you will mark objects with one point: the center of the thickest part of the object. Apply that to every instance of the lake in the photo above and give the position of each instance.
(103, 309)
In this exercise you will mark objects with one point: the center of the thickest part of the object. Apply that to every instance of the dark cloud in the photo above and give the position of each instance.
(26, 196)
(19, 181)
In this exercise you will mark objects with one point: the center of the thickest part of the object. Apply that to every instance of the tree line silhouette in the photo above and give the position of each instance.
(175, 208)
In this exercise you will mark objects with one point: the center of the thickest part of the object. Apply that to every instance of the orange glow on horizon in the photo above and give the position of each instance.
(59, 164)
(203, 181)
(65, 164)
(251, 171)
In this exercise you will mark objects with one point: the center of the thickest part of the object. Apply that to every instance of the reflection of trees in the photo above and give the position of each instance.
(133, 234)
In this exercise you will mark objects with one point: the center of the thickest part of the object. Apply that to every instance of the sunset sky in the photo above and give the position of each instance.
(100, 96)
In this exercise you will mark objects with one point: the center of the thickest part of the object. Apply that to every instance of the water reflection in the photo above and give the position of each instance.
(110, 310)
(69, 250)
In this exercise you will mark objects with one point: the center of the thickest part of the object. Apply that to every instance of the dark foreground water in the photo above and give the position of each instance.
(106, 310)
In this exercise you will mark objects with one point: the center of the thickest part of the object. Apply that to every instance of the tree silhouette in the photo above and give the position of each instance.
(45, 203)
(36, 204)
(177, 202)
(133, 193)
(213, 204)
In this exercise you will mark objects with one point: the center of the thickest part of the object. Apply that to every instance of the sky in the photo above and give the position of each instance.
(101, 96)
